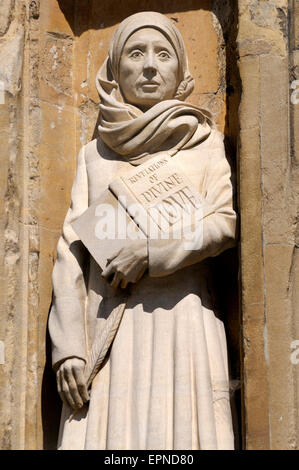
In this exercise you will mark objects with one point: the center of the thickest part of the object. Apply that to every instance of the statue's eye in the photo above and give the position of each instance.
(164, 55)
(136, 54)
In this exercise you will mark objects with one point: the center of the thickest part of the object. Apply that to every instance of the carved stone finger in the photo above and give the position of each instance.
(65, 393)
(141, 273)
(112, 257)
(124, 283)
(116, 280)
(108, 271)
(72, 388)
(58, 381)
(61, 393)
(81, 384)
(65, 389)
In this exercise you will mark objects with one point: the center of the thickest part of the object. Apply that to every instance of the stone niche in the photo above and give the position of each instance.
(67, 41)
(75, 37)
(50, 52)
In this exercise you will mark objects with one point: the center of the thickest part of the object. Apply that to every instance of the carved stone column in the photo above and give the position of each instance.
(268, 202)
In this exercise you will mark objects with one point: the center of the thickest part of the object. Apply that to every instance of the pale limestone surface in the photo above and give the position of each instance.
(5, 15)
(11, 58)
(42, 128)
(164, 383)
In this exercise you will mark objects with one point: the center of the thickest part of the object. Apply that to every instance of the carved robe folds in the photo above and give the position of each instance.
(164, 384)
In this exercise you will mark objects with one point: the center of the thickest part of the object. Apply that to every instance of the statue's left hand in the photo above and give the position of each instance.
(128, 265)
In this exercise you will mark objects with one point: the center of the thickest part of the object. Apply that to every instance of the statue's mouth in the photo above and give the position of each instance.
(150, 85)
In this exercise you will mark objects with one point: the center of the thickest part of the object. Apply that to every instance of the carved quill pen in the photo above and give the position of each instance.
(101, 344)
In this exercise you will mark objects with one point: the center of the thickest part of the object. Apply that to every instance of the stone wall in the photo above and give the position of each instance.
(50, 52)
(268, 203)
(15, 226)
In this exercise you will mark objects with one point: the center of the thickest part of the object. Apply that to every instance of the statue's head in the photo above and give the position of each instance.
(148, 69)
(148, 60)
(142, 85)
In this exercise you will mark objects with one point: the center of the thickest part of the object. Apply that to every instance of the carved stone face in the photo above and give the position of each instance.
(148, 69)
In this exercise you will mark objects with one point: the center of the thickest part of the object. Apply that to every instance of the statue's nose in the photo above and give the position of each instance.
(150, 62)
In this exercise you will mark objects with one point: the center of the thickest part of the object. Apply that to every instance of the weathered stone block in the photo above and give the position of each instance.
(277, 212)
(57, 164)
(11, 58)
(57, 62)
(5, 15)
(279, 335)
(249, 70)
(262, 27)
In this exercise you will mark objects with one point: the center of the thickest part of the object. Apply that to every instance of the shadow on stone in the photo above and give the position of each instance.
(51, 403)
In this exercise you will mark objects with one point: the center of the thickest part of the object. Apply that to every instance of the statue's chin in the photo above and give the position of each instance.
(148, 102)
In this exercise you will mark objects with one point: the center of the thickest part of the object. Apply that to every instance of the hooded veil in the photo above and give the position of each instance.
(170, 125)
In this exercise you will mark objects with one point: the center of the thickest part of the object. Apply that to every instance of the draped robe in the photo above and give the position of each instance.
(164, 384)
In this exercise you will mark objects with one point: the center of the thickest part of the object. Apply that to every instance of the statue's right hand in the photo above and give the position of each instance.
(71, 384)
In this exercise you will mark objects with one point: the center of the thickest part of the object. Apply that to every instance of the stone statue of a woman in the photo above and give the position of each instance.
(164, 381)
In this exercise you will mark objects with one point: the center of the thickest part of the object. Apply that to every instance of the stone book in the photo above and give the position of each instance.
(155, 199)
(103, 228)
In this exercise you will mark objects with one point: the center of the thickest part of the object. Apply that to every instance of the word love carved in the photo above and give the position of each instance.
(162, 188)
